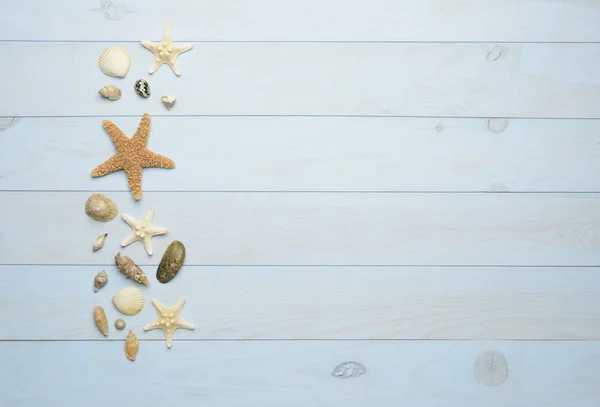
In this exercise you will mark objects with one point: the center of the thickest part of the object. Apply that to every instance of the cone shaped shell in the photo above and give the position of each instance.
(101, 322)
(131, 345)
(114, 62)
(129, 301)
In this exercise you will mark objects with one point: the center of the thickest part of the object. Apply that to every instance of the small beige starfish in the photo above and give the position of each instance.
(142, 230)
(166, 52)
(169, 319)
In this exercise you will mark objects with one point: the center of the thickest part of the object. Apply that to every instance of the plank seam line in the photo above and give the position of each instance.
(306, 265)
(299, 116)
(491, 42)
(306, 340)
(375, 192)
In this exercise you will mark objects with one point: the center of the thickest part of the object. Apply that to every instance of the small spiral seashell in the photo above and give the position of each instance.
(131, 345)
(99, 242)
(110, 92)
(100, 280)
(168, 101)
(101, 322)
(120, 324)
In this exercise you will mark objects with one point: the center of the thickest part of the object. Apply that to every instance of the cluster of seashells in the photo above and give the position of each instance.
(115, 62)
(129, 300)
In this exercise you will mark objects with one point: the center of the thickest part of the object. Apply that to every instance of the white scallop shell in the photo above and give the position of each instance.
(129, 301)
(114, 62)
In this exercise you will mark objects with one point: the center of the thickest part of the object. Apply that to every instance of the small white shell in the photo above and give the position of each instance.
(114, 62)
(129, 301)
(110, 92)
(168, 101)
(99, 242)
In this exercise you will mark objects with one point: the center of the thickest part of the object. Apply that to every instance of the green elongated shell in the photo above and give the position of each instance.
(171, 262)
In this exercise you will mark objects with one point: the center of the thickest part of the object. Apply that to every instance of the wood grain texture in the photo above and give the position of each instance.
(265, 303)
(313, 228)
(384, 79)
(309, 20)
(420, 374)
(313, 154)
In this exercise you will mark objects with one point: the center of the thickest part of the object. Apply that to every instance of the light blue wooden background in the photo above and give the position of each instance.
(402, 183)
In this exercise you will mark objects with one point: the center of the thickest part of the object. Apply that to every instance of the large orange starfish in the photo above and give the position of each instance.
(132, 155)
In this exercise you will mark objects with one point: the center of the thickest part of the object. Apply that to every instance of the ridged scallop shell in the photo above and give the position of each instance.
(100, 318)
(100, 207)
(129, 301)
(110, 92)
(131, 345)
(114, 62)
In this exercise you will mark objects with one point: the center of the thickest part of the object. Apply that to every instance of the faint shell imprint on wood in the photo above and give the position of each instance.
(101, 208)
(110, 92)
(131, 345)
(120, 324)
(100, 280)
(349, 370)
(130, 269)
(129, 301)
(99, 242)
(101, 322)
(114, 62)
(491, 368)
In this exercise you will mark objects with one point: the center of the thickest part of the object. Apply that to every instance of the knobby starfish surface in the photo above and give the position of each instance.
(166, 52)
(132, 155)
(169, 319)
(142, 230)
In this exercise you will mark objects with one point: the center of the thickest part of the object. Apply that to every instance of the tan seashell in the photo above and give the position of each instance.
(110, 92)
(114, 62)
(130, 269)
(120, 324)
(101, 208)
(100, 318)
(129, 301)
(100, 280)
(168, 101)
(131, 345)
(99, 242)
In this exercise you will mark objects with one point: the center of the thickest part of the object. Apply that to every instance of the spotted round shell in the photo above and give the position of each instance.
(142, 88)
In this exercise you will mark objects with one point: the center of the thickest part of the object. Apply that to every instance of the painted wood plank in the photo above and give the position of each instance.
(309, 20)
(384, 79)
(313, 228)
(420, 374)
(313, 154)
(232, 303)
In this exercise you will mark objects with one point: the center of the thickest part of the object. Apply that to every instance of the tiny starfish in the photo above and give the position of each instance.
(169, 319)
(142, 230)
(132, 155)
(166, 52)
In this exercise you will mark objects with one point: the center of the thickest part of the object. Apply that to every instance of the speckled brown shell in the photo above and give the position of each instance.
(131, 345)
(130, 269)
(171, 262)
(101, 208)
(101, 322)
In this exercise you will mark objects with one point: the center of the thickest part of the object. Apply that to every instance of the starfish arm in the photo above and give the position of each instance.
(109, 166)
(159, 307)
(174, 64)
(150, 45)
(148, 245)
(119, 139)
(156, 230)
(152, 325)
(177, 307)
(150, 159)
(185, 324)
(130, 221)
(167, 33)
(169, 337)
(129, 240)
(155, 65)
(149, 215)
(134, 179)
(140, 138)
(181, 48)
